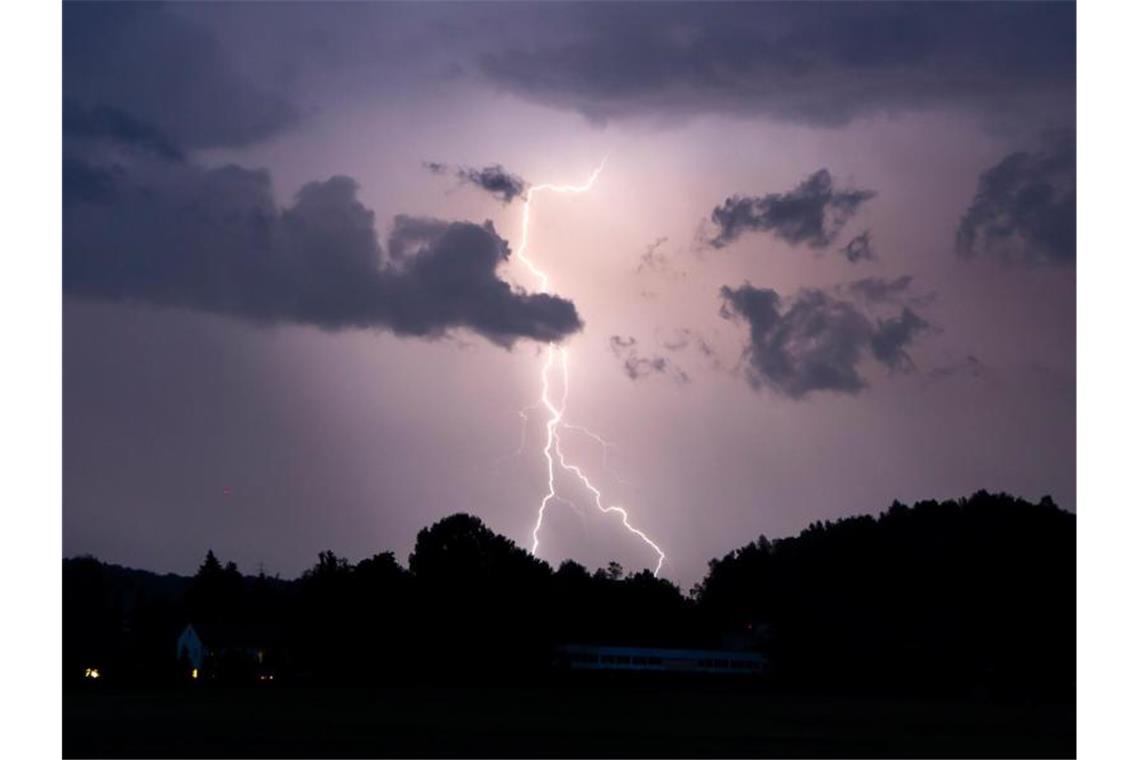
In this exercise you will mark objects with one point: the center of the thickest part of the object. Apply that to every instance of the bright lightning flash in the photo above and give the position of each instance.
(555, 412)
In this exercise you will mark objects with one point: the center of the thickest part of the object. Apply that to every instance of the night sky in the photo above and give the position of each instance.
(829, 263)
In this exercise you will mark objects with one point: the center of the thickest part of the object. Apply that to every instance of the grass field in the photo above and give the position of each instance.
(562, 721)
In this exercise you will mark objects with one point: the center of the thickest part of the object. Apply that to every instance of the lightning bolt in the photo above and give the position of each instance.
(603, 444)
(557, 355)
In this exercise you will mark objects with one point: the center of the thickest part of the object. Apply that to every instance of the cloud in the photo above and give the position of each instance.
(878, 292)
(815, 342)
(137, 64)
(859, 248)
(653, 260)
(494, 179)
(83, 182)
(880, 289)
(215, 240)
(813, 63)
(636, 366)
(620, 345)
(657, 266)
(116, 126)
(678, 342)
(892, 336)
(971, 367)
(813, 213)
(681, 339)
(408, 233)
(1025, 209)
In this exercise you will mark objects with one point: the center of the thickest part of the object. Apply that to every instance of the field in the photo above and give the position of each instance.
(593, 720)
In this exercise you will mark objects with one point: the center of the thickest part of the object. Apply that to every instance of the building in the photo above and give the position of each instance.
(642, 659)
(229, 651)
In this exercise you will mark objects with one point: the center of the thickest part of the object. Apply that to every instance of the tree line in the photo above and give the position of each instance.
(969, 594)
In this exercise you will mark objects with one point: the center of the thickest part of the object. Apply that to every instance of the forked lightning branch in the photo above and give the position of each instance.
(557, 357)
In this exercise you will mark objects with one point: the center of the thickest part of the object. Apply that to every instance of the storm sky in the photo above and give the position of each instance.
(830, 262)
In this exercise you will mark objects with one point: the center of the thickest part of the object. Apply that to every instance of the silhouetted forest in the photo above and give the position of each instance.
(967, 596)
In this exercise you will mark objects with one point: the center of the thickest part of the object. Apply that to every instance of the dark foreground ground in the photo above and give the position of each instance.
(571, 720)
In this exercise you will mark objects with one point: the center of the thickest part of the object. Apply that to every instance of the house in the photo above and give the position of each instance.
(230, 651)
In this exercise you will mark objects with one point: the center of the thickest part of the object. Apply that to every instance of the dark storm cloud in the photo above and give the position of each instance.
(813, 213)
(495, 180)
(1025, 209)
(83, 182)
(892, 336)
(407, 235)
(636, 365)
(452, 281)
(137, 64)
(815, 63)
(215, 240)
(116, 126)
(815, 342)
(859, 248)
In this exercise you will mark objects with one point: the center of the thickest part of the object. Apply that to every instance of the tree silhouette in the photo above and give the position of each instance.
(979, 591)
(216, 592)
(612, 572)
(972, 594)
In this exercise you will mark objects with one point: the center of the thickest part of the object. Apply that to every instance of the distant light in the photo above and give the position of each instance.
(194, 673)
(92, 673)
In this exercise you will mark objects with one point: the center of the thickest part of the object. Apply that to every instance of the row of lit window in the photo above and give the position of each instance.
(612, 659)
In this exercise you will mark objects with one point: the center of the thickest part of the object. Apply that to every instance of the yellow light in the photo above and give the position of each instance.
(91, 673)
(194, 673)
